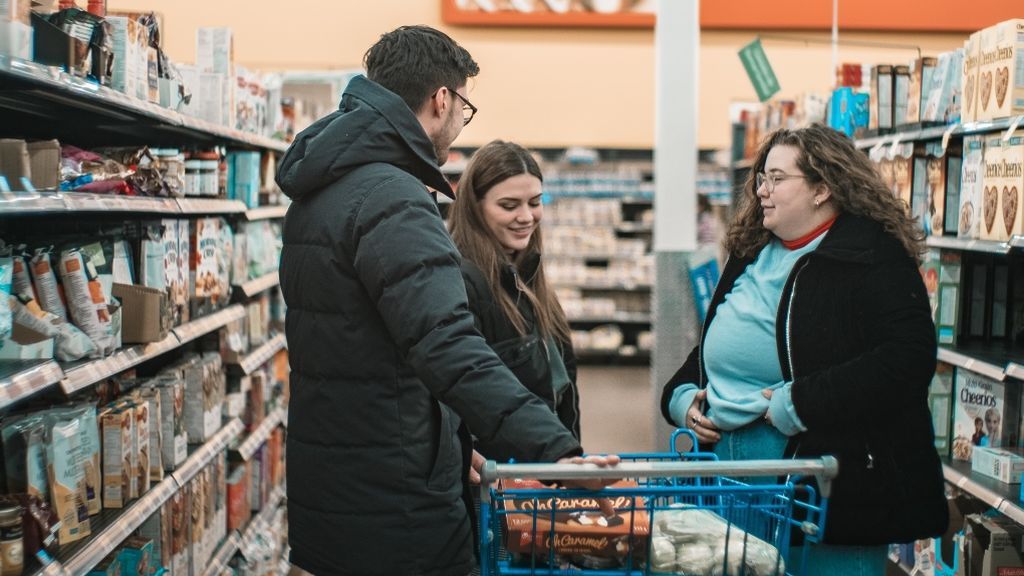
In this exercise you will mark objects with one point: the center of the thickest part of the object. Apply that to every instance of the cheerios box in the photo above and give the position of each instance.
(992, 175)
(969, 81)
(972, 177)
(1001, 71)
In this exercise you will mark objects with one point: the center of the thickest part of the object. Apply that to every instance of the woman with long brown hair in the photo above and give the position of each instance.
(819, 340)
(495, 224)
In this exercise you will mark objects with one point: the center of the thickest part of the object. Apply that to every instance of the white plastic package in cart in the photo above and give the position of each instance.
(693, 541)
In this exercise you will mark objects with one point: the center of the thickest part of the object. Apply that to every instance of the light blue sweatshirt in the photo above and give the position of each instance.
(741, 355)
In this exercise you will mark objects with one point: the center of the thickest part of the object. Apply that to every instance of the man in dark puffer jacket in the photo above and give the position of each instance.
(385, 359)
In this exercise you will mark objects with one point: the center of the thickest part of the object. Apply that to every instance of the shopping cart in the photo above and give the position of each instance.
(670, 513)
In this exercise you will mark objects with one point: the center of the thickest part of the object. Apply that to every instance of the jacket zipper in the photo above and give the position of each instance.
(789, 336)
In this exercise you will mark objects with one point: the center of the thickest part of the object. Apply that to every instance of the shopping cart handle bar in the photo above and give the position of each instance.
(824, 469)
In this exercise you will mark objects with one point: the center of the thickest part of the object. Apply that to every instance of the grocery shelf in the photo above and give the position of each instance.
(20, 379)
(261, 521)
(33, 92)
(266, 213)
(28, 203)
(617, 318)
(1015, 370)
(259, 285)
(260, 435)
(210, 206)
(21, 203)
(744, 164)
(634, 227)
(202, 326)
(224, 553)
(582, 255)
(1003, 497)
(81, 374)
(935, 132)
(987, 246)
(983, 361)
(613, 286)
(114, 526)
(262, 354)
(205, 454)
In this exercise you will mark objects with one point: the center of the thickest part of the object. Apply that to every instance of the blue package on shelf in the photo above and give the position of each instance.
(244, 177)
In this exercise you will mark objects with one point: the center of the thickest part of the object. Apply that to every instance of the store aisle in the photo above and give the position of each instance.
(617, 410)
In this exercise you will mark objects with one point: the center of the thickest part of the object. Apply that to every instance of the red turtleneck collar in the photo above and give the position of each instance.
(805, 240)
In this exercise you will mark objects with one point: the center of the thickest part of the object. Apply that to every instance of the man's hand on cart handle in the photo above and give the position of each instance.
(701, 425)
(591, 483)
(475, 465)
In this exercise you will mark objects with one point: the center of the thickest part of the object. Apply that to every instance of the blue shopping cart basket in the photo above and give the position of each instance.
(670, 513)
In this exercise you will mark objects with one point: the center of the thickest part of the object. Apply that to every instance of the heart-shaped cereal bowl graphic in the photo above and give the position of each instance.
(1002, 83)
(986, 89)
(969, 92)
(1010, 203)
(990, 204)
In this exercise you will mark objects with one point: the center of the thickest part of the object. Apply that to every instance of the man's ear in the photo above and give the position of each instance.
(439, 103)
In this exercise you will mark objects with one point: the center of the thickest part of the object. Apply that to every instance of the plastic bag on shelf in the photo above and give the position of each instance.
(45, 281)
(86, 299)
(70, 343)
(22, 282)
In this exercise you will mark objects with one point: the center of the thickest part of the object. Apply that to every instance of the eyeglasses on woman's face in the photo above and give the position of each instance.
(770, 179)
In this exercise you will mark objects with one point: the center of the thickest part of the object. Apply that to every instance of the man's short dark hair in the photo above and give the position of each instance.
(414, 61)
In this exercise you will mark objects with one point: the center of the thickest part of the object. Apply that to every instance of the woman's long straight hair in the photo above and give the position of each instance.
(490, 165)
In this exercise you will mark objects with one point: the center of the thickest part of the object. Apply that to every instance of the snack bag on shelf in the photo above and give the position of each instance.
(66, 472)
(50, 297)
(87, 300)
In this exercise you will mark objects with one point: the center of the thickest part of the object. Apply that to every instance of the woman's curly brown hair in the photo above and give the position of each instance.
(825, 157)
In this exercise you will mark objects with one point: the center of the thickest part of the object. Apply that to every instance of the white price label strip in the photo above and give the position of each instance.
(1013, 127)
(894, 149)
(946, 135)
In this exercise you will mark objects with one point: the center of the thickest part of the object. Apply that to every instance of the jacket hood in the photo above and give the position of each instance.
(372, 125)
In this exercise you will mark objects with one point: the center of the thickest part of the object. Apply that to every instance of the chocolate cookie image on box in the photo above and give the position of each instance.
(986, 89)
(990, 205)
(969, 92)
(1009, 208)
(1002, 83)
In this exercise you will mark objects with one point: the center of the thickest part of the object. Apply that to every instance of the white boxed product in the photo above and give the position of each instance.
(971, 187)
(16, 39)
(1005, 465)
(1001, 71)
(981, 406)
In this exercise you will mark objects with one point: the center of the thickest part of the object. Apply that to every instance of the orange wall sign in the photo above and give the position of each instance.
(862, 15)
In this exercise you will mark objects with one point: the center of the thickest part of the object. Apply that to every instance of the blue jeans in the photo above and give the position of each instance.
(757, 441)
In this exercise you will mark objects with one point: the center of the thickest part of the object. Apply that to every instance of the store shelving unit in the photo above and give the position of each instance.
(259, 285)
(262, 354)
(21, 379)
(112, 527)
(42, 102)
(994, 362)
(33, 92)
(258, 436)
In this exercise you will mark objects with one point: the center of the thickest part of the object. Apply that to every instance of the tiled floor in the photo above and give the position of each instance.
(616, 408)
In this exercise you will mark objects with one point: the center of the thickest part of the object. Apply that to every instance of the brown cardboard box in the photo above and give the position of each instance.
(44, 163)
(146, 314)
(14, 162)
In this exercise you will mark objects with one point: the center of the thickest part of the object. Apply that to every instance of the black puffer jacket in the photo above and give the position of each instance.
(861, 354)
(526, 356)
(384, 355)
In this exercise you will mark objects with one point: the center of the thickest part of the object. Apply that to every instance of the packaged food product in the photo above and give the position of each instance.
(86, 299)
(45, 282)
(67, 480)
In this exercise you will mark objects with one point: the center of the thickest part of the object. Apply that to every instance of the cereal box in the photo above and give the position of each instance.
(1001, 70)
(971, 187)
(992, 179)
(968, 110)
(982, 405)
(1011, 186)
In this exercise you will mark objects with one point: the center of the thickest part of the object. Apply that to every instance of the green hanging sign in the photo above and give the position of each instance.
(755, 62)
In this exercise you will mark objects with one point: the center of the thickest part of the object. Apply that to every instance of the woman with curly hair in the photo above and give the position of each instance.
(819, 340)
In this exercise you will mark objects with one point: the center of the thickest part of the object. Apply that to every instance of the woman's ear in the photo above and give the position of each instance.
(821, 194)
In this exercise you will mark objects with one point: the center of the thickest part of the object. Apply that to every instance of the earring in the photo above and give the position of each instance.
(817, 203)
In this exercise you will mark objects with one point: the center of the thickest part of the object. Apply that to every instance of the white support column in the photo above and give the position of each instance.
(677, 73)
(677, 53)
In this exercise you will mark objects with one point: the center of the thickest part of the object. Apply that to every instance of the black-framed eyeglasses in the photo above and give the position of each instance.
(771, 179)
(468, 110)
